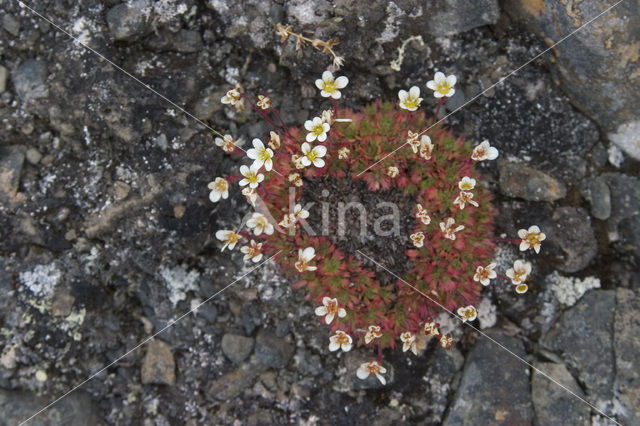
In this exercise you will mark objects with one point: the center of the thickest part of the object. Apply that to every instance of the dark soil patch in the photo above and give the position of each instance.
(377, 223)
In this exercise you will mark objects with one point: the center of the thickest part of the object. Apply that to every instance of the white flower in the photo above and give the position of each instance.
(448, 229)
(426, 147)
(446, 341)
(219, 189)
(530, 238)
(250, 194)
(228, 144)
(373, 332)
(343, 153)
(467, 183)
(264, 102)
(372, 367)
(409, 342)
(442, 86)
(317, 129)
(261, 155)
(467, 313)
(329, 86)
(259, 223)
(229, 238)
(274, 140)
(484, 151)
(299, 212)
(520, 272)
(232, 97)
(251, 176)
(463, 198)
(392, 171)
(330, 309)
(431, 328)
(295, 179)
(412, 139)
(485, 274)
(313, 155)
(417, 239)
(340, 340)
(521, 288)
(410, 100)
(288, 220)
(253, 251)
(422, 214)
(304, 257)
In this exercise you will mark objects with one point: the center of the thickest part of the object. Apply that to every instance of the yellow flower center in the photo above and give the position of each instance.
(317, 130)
(264, 155)
(329, 86)
(443, 88)
(311, 155)
(252, 177)
(533, 239)
(221, 185)
(373, 368)
(411, 102)
(342, 339)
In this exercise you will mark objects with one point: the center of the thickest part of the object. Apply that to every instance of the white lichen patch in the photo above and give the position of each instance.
(41, 280)
(487, 315)
(72, 323)
(391, 24)
(568, 290)
(179, 281)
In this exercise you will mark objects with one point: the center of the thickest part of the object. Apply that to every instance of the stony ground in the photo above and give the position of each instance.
(107, 230)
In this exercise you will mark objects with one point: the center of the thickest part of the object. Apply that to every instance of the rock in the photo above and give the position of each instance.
(187, 41)
(457, 16)
(236, 347)
(626, 341)
(570, 239)
(596, 191)
(29, 80)
(62, 302)
(158, 366)
(625, 198)
(596, 65)
(232, 384)
(630, 232)
(582, 336)
(554, 405)
(273, 351)
(517, 180)
(11, 25)
(77, 409)
(4, 76)
(129, 20)
(494, 388)
(11, 160)
(33, 156)
(308, 363)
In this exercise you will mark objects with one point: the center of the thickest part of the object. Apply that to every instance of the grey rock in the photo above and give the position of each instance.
(273, 351)
(11, 161)
(4, 76)
(440, 384)
(626, 341)
(596, 191)
(457, 16)
(554, 405)
(236, 347)
(187, 41)
(517, 180)
(233, 383)
(596, 65)
(582, 336)
(572, 233)
(77, 409)
(158, 366)
(129, 20)
(630, 235)
(625, 198)
(29, 80)
(494, 386)
(11, 24)
(308, 363)
(33, 156)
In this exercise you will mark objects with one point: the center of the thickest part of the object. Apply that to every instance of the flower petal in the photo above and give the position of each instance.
(341, 82)
(327, 76)
(451, 80)
(321, 311)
